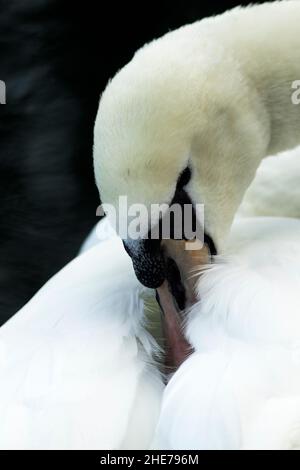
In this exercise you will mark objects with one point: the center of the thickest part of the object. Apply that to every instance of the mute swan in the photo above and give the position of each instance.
(240, 389)
(191, 117)
(76, 366)
(76, 362)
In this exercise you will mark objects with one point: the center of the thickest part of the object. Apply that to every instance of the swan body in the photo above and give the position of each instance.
(76, 366)
(214, 96)
(76, 363)
(275, 190)
(240, 389)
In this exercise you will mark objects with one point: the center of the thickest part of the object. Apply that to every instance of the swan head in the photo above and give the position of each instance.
(165, 132)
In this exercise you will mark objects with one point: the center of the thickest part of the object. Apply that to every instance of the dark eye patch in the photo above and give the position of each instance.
(184, 178)
(210, 243)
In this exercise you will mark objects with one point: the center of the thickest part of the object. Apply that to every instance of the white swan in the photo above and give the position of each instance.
(190, 119)
(240, 389)
(76, 365)
(216, 97)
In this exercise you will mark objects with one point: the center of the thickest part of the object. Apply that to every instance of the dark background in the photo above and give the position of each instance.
(56, 57)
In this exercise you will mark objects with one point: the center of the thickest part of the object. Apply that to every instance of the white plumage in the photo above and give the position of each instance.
(241, 386)
(75, 363)
(215, 96)
(275, 190)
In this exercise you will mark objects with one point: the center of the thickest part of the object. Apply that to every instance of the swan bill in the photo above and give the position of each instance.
(176, 346)
(178, 293)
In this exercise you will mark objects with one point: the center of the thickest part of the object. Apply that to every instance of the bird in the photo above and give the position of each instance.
(240, 388)
(188, 121)
(77, 365)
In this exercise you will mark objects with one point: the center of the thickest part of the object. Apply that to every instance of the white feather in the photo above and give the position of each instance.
(275, 190)
(241, 386)
(75, 363)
